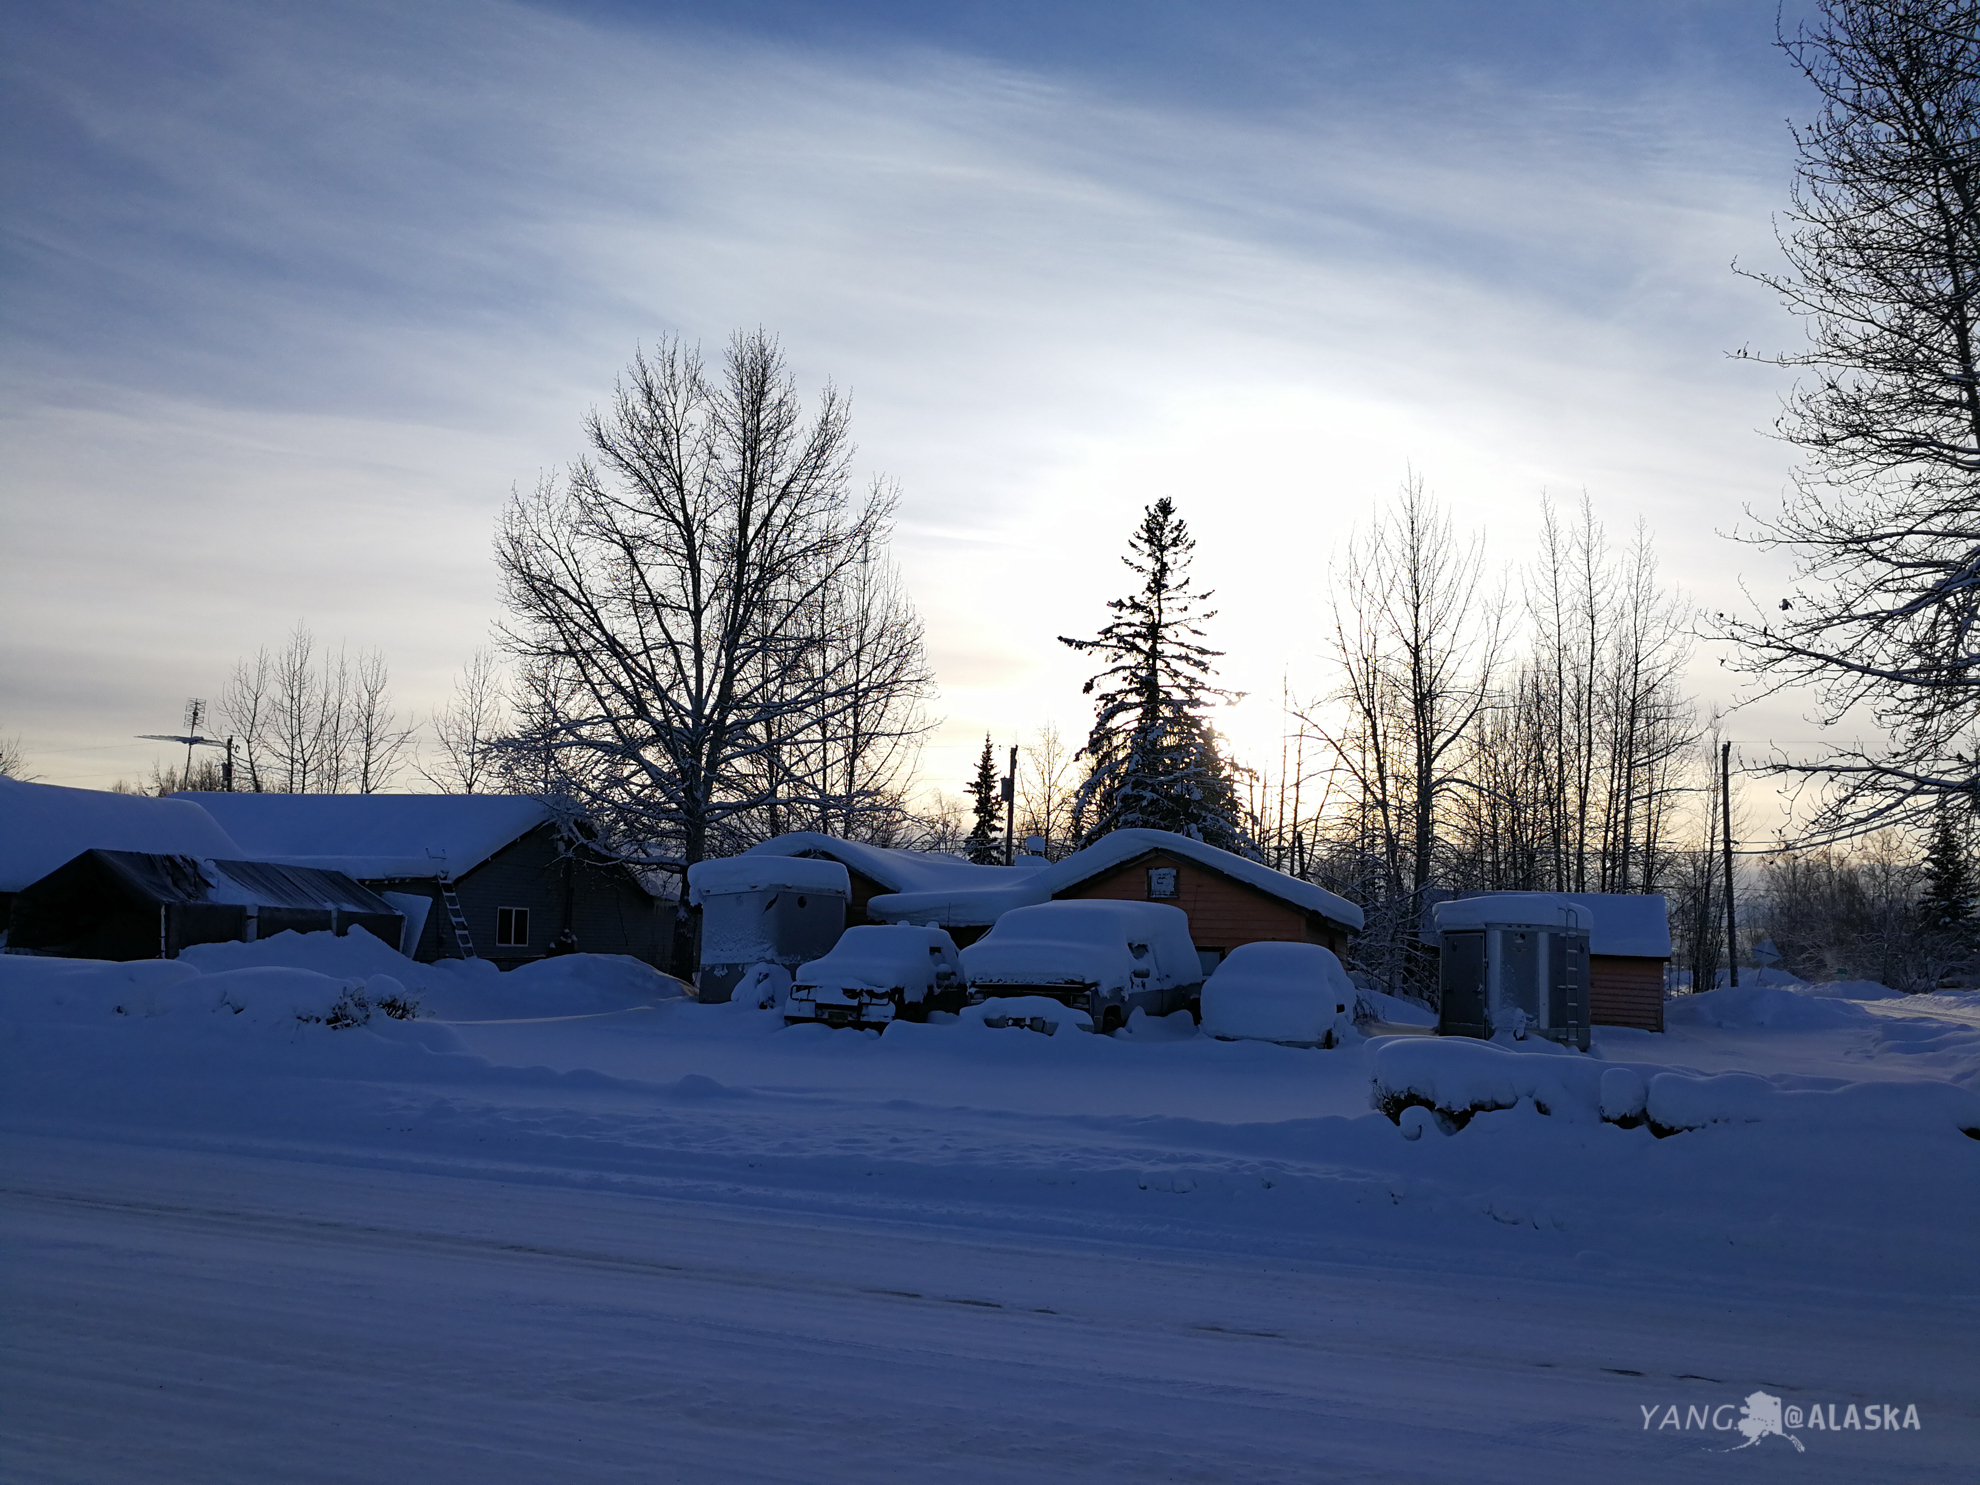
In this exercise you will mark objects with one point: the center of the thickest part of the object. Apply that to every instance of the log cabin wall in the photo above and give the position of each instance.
(1624, 990)
(1223, 912)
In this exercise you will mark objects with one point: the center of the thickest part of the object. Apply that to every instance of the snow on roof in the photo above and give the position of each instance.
(1627, 924)
(163, 878)
(373, 836)
(43, 826)
(1124, 845)
(901, 871)
(963, 904)
(766, 873)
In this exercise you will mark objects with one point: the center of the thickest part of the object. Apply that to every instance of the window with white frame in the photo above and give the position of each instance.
(512, 928)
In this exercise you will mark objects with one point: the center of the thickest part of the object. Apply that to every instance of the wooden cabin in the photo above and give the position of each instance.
(1230, 901)
(1629, 952)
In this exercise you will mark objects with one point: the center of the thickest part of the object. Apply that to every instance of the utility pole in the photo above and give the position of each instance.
(195, 714)
(1010, 811)
(1726, 807)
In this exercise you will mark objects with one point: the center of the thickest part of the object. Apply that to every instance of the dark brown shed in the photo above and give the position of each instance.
(140, 905)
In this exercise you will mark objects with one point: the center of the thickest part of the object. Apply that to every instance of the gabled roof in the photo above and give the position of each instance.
(375, 837)
(44, 826)
(1123, 846)
(964, 905)
(901, 871)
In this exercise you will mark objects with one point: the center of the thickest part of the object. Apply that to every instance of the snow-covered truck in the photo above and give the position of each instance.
(1106, 958)
(877, 975)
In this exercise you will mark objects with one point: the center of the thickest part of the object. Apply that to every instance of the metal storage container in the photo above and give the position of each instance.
(785, 910)
(1514, 962)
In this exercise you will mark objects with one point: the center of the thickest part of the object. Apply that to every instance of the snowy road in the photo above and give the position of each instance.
(686, 1243)
(186, 1316)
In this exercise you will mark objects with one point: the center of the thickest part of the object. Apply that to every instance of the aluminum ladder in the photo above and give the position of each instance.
(455, 916)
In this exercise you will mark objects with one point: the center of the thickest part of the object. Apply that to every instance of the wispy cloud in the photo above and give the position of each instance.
(298, 296)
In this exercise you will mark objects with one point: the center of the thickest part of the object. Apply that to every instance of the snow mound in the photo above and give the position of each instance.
(235, 1008)
(457, 989)
(1295, 993)
(1397, 1010)
(1458, 1078)
(1762, 1007)
(353, 953)
(1854, 990)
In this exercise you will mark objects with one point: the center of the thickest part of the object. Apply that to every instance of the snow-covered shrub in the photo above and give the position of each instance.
(1457, 1077)
(1454, 1079)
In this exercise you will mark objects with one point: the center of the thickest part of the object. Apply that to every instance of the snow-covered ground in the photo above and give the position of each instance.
(565, 1225)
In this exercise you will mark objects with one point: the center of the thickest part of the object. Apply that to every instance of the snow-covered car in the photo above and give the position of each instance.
(1296, 994)
(875, 975)
(1108, 959)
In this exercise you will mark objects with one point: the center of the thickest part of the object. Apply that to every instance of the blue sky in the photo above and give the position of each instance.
(292, 296)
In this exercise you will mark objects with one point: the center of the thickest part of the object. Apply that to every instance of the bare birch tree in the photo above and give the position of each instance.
(306, 721)
(1417, 651)
(1047, 784)
(469, 729)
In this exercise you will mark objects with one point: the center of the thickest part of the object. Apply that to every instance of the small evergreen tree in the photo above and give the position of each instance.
(1155, 763)
(1951, 892)
(986, 803)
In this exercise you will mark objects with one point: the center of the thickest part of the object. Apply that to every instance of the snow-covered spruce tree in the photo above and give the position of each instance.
(1154, 755)
(1882, 244)
(1952, 895)
(984, 845)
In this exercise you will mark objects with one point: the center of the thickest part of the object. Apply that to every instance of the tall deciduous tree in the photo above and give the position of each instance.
(1883, 249)
(468, 730)
(310, 721)
(1155, 759)
(670, 601)
(1416, 652)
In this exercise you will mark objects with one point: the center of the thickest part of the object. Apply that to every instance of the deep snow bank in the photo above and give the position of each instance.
(457, 989)
(1456, 1078)
(1763, 1007)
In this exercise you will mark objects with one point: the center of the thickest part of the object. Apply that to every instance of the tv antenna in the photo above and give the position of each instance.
(195, 716)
